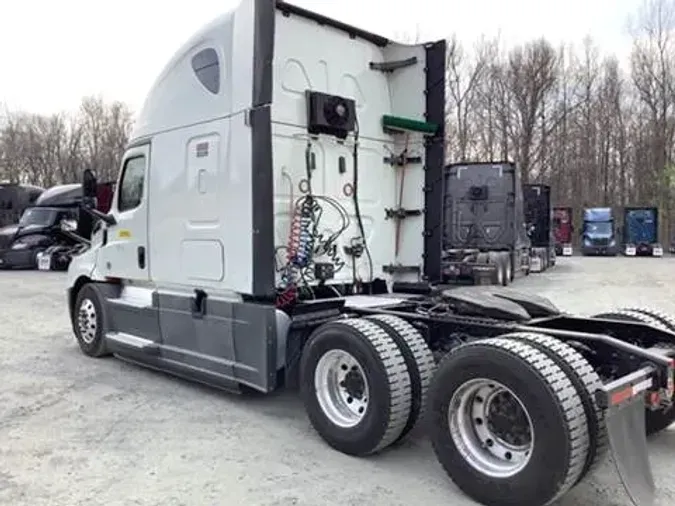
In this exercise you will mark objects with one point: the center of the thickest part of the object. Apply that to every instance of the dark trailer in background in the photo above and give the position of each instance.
(538, 219)
(484, 236)
(563, 228)
(641, 232)
(14, 199)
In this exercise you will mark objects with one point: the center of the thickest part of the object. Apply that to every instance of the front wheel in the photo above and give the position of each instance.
(88, 320)
(508, 426)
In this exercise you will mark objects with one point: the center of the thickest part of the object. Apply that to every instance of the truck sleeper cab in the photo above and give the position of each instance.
(563, 228)
(598, 236)
(641, 232)
(484, 236)
(263, 235)
(539, 220)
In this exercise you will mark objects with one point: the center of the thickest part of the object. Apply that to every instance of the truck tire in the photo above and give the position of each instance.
(355, 386)
(655, 421)
(586, 381)
(531, 455)
(418, 359)
(665, 319)
(508, 269)
(88, 321)
(496, 258)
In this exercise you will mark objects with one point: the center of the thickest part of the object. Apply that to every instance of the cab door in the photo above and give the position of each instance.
(124, 253)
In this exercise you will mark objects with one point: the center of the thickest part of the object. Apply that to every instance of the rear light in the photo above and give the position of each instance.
(654, 399)
(629, 392)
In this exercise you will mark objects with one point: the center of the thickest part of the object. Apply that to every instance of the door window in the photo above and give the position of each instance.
(131, 184)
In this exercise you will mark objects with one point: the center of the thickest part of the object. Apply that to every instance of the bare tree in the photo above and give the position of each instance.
(532, 73)
(49, 150)
(463, 77)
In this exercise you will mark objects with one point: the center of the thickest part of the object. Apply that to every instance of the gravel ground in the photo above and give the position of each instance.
(78, 431)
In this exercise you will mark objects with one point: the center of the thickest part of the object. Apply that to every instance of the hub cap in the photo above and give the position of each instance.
(341, 388)
(86, 321)
(491, 428)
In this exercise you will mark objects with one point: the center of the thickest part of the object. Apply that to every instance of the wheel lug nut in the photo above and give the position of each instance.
(349, 400)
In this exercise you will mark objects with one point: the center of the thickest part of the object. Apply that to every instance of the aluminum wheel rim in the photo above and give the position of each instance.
(86, 321)
(341, 388)
(508, 270)
(472, 431)
(500, 275)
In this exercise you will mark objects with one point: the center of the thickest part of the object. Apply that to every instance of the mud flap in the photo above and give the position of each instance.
(628, 440)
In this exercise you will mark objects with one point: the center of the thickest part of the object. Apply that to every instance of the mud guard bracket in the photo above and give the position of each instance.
(625, 420)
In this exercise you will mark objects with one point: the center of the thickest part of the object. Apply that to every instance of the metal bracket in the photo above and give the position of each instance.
(401, 160)
(394, 269)
(400, 213)
(390, 66)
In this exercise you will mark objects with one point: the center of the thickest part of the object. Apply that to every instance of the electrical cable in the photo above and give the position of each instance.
(357, 210)
(305, 241)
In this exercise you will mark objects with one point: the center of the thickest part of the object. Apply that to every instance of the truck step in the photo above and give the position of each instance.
(131, 342)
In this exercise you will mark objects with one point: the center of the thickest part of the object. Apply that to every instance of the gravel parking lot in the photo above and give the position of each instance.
(79, 431)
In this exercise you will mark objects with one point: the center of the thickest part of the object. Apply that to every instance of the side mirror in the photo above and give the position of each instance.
(89, 184)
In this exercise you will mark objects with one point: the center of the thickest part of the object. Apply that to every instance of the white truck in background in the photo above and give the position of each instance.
(277, 221)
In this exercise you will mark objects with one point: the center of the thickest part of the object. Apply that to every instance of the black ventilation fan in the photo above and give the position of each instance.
(330, 114)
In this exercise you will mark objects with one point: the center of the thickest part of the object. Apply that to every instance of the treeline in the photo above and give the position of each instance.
(597, 129)
(52, 149)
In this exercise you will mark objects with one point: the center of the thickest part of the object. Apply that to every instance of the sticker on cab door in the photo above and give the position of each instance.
(124, 234)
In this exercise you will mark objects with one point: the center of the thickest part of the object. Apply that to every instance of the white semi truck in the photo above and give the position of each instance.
(277, 222)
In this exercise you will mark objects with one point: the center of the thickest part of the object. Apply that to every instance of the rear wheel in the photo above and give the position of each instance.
(586, 381)
(355, 386)
(508, 269)
(508, 425)
(497, 259)
(655, 421)
(419, 361)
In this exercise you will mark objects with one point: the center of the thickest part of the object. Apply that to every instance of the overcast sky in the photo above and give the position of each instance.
(54, 52)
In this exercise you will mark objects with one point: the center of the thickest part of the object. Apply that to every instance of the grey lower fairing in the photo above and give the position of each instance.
(230, 344)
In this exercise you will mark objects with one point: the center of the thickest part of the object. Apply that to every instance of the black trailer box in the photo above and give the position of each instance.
(538, 217)
(483, 207)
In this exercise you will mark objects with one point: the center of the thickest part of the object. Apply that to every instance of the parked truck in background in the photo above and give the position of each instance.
(14, 199)
(484, 235)
(598, 234)
(563, 229)
(45, 235)
(539, 223)
(641, 232)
